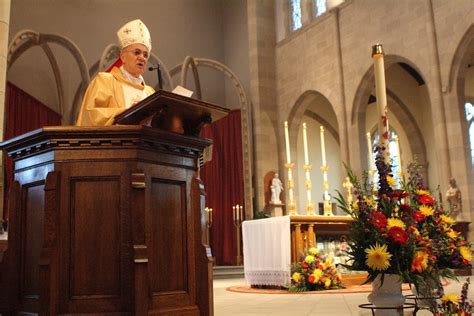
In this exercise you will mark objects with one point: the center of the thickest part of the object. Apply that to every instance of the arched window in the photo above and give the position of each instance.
(319, 7)
(296, 18)
(394, 155)
(470, 127)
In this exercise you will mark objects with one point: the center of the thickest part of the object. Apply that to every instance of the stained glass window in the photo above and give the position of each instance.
(394, 152)
(295, 10)
(469, 107)
(319, 7)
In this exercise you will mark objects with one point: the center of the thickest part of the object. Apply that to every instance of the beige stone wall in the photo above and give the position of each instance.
(4, 26)
(425, 34)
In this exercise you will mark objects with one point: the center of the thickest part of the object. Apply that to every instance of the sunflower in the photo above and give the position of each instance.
(450, 297)
(448, 220)
(395, 222)
(426, 210)
(378, 258)
(296, 276)
(313, 251)
(451, 234)
(422, 192)
(465, 253)
(309, 259)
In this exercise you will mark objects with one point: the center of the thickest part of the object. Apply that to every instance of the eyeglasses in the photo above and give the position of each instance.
(138, 52)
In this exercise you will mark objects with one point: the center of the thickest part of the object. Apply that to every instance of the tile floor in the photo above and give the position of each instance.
(230, 303)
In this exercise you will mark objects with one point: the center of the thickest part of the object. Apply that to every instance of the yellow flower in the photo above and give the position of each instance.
(370, 201)
(296, 276)
(317, 273)
(391, 181)
(313, 251)
(448, 220)
(426, 210)
(415, 231)
(394, 222)
(423, 192)
(309, 259)
(378, 258)
(327, 284)
(450, 297)
(465, 253)
(327, 263)
(355, 206)
(452, 234)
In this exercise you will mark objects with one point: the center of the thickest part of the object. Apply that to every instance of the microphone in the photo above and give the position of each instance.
(158, 72)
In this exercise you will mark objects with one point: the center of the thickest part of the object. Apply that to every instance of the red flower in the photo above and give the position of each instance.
(311, 279)
(304, 265)
(378, 220)
(427, 200)
(398, 234)
(418, 216)
(405, 208)
(399, 194)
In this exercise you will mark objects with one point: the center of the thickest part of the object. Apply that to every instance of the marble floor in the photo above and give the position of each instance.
(231, 303)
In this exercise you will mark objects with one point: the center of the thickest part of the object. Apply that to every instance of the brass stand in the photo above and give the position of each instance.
(238, 219)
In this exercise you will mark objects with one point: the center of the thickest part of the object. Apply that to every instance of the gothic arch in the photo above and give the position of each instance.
(397, 107)
(26, 39)
(194, 64)
(295, 118)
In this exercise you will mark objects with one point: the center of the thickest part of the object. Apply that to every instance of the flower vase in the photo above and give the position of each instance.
(387, 294)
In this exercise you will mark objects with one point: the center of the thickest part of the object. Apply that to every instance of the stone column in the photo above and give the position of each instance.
(4, 26)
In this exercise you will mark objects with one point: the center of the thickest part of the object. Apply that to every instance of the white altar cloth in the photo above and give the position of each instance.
(267, 251)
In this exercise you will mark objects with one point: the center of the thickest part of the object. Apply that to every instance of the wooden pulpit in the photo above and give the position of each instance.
(109, 220)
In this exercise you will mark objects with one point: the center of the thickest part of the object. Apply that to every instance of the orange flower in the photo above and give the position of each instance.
(420, 262)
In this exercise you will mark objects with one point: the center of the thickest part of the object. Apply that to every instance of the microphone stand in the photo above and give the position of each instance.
(158, 72)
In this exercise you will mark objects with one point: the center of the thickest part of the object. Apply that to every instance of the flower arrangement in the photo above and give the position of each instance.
(402, 231)
(452, 304)
(313, 273)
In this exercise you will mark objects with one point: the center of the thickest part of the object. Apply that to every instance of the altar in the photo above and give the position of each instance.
(270, 245)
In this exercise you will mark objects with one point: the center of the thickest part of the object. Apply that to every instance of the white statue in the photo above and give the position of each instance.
(276, 189)
(453, 196)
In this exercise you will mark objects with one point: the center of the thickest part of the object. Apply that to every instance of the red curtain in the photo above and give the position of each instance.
(23, 113)
(224, 185)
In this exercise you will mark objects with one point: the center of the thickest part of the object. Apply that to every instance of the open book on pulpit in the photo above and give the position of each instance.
(172, 112)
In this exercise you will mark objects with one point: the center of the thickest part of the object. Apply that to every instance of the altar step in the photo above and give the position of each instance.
(228, 272)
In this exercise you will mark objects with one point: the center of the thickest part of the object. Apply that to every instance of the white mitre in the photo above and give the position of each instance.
(134, 32)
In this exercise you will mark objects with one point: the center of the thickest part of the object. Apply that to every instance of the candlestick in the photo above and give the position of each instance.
(287, 143)
(381, 94)
(307, 168)
(324, 169)
(289, 166)
(238, 223)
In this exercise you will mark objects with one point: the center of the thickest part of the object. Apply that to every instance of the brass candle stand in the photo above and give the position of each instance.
(238, 218)
(208, 224)
(292, 203)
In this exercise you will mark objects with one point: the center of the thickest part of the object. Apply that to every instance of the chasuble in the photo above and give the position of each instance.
(107, 95)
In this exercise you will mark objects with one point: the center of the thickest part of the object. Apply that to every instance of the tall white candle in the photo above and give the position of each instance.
(305, 145)
(233, 213)
(287, 143)
(241, 212)
(381, 94)
(238, 212)
(323, 147)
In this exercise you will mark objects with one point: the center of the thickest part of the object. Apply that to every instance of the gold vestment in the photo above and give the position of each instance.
(104, 98)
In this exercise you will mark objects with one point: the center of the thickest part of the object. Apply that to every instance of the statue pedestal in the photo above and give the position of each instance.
(275, 209)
